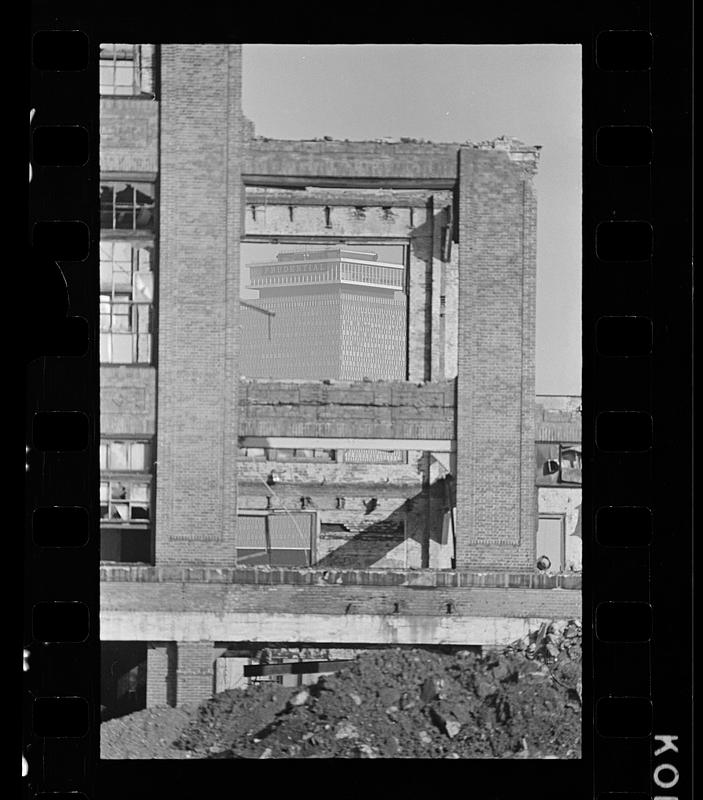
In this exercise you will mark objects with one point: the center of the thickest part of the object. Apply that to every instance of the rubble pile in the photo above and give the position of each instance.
(523, 701)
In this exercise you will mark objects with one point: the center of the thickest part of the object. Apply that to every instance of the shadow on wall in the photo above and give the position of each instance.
(402, 539)
(429, 240)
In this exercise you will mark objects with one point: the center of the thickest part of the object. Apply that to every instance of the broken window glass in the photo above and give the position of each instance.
(127, 206)
(139, 511)
(106, 206)
(118, 491)
(547, 463)
(143, 287)
(570, 464)
(125, 302)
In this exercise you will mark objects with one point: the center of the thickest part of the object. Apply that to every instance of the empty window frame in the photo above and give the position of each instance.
(125, 500)
(126, 294)
(276, 540)
(127, 70)
(126, 205)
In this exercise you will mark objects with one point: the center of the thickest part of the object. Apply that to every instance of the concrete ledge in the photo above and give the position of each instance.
(312, 628)
(190, 611)
(263, 576)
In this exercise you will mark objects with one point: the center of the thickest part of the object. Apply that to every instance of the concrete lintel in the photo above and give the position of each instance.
(336, 239)
(311, 628)
(321, 442)
(347, 182)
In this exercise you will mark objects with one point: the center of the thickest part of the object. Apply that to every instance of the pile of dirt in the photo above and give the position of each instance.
(523, 701)
(146, 734)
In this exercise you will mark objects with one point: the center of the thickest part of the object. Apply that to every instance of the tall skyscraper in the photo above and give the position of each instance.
(333, 313)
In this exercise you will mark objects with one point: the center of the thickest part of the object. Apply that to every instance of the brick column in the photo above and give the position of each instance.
(161, 668)
(496, 496)
(195, 679)
(200, 228)
(420, 298)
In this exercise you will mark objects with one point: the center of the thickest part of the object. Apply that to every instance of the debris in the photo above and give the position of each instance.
(345, 730)
(300, 699)
(365, 751)
(429, 690)
(391, 703)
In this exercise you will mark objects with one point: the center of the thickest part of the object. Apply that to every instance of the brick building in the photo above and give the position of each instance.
(207, 471)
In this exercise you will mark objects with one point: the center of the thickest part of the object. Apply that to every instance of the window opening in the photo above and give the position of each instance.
(127, 69)
(126, 295)
(127, 206)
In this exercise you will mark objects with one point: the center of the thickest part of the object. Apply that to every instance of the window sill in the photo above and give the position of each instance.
(126, 524)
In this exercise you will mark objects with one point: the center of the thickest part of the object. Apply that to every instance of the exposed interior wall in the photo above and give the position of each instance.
(566, 501)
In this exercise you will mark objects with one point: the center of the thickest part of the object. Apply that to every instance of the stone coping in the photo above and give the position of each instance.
(268, 576)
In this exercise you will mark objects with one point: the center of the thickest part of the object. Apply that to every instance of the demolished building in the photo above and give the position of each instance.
(319, 513)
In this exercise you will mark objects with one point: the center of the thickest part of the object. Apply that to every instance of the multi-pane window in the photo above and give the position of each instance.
(126, 295)
(127, 69)
(124, 497)
(127, 205)
(124, 500)
(125, 456)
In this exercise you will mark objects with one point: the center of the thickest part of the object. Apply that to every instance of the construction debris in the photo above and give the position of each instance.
(521, 702)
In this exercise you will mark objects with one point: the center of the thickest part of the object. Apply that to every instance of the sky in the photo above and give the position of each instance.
(451, 93)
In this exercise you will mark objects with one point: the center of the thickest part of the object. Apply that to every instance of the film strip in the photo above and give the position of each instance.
(637, 410)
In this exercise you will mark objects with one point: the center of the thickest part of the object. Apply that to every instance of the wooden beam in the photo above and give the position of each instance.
(295, 668)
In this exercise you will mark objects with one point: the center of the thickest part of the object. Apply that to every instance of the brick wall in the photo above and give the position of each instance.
(383, 409)
(336, 159)
(161, 670)
(264, 219)
(200, 230)
(196, 671)
(496, 499)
